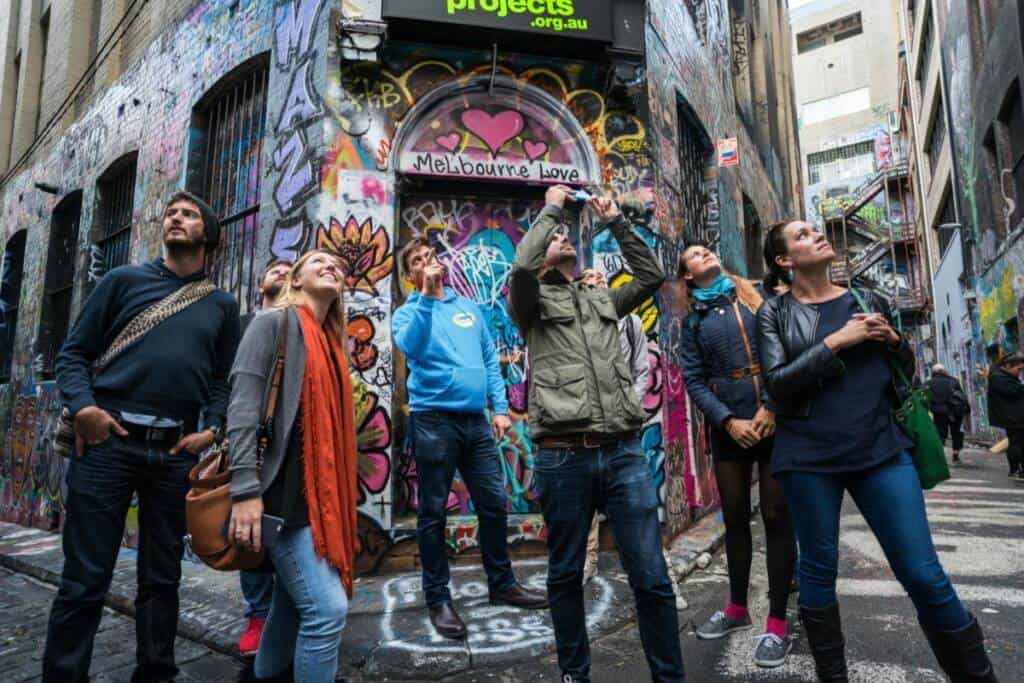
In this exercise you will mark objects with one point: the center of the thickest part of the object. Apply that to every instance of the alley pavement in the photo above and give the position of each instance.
(977, 519)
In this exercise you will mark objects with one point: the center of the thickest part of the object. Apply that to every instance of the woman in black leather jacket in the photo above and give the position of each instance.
(719, 358)
(827, 367)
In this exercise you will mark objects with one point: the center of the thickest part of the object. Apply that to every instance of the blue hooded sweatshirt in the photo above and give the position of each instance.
(453, 363)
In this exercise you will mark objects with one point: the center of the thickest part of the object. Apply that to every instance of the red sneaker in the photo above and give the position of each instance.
(250, 640)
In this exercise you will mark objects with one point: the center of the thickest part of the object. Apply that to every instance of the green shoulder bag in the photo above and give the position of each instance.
(915, 420)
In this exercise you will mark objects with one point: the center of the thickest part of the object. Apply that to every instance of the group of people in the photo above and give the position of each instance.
(793, 375)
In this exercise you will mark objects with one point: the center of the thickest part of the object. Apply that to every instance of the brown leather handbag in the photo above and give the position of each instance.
(208, 502)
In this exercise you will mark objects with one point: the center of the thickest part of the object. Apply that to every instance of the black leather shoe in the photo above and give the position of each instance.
(447, 622)
(517, 596)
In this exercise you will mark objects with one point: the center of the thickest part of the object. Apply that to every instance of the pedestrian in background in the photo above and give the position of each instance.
(258, 584)
(140, 424)
(585, 419)
(827, 367)
(453, 374)
(307, 477)
(949, 407)
(723, 377)
(1006, 407)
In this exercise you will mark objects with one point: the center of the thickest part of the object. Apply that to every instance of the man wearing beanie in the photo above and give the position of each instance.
(141, 419)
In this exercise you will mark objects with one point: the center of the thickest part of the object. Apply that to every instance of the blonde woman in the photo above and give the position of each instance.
(308, 473)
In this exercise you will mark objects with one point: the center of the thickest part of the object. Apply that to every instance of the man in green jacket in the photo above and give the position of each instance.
(585, 419)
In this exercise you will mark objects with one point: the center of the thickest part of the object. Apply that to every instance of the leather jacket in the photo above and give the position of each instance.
(795, 367)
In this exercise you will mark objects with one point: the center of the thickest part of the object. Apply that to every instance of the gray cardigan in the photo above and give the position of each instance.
(250, 386)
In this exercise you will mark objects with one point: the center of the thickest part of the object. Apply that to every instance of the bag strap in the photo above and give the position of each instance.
(750, 353)
(895, 368)
(266, 426)
(152, 316)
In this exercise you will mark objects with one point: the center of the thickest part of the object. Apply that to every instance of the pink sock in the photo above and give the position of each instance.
(776, 627)
(735, 611)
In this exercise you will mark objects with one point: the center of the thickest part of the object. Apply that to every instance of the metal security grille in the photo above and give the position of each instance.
(10, 297)
(117, 195)
(694, 151)
(232, 181)
(848, 161)
(60, 280)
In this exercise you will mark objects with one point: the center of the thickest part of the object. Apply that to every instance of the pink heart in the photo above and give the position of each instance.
(449, 142)
(495, 130)
(535, 150)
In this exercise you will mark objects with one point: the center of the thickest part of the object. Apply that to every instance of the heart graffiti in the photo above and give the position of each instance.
(535, 149)
(450, 142)
(494, 130)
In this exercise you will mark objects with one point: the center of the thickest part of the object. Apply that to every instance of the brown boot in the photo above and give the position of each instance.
(517, 596)
(446, 621)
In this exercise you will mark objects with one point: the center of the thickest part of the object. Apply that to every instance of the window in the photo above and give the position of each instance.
(849, 161)
(14, 110)
(836, 106)
(115, 194)
(60, 280)
(946, 217)
(229, 129)
(44, 39)
(832, 32)
(926, 45)
(695, 155)
(10, 294)
(699, 15)
(936, 136)
(1010, 142)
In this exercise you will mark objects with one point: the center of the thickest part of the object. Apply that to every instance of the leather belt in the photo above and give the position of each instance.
(585, 440)
(169, 435)
(740, 373)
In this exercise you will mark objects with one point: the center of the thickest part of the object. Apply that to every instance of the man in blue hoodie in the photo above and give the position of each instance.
(453, 375)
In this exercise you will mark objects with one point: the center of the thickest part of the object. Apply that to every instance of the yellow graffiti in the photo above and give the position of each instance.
(998, 306)
(647, 311)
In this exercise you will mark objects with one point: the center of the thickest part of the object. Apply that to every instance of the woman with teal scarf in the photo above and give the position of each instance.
(722, 375)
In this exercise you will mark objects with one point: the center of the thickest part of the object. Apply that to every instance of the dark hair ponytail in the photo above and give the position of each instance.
(775, 245)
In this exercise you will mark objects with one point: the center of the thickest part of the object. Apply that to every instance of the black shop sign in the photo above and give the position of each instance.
(590, 19)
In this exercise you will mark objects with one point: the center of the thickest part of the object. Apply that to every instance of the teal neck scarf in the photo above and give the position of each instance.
(722, 286)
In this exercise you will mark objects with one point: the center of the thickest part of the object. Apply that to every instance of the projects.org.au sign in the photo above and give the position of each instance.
(570, 18)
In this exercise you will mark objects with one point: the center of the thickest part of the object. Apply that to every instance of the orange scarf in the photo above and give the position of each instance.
(329, 447)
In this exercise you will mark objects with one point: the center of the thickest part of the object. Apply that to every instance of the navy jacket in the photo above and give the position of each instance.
(711, 349)
(178, 370)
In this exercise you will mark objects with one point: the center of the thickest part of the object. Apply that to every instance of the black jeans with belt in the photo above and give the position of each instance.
(100, 488)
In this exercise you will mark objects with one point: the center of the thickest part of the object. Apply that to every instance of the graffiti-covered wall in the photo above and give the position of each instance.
(368, 144)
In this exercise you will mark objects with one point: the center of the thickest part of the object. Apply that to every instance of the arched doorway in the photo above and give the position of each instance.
(472, 160)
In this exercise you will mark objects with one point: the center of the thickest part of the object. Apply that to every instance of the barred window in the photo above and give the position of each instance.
(60, 280)
(115, 193)
(10, 296)
(936, 136)
(695, 155)
(232, 121)
(838, 163)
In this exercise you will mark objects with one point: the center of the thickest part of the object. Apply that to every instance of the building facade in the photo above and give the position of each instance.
(966, 66)
(354, 125)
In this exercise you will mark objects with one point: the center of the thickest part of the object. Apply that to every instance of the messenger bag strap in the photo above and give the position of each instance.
(750, 353)
(266, 427)
(152, 316)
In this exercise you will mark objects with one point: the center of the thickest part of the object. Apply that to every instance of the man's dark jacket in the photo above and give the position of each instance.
(178, 370)
(944, 389)
(1005, 400)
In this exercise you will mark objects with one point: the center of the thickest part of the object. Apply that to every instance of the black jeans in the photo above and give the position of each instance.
(947, 424)
(100, 487)
(442, 441)
(574, 482)
(1015, 451)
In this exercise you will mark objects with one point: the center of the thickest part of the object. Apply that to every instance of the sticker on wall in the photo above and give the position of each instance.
(728, 152)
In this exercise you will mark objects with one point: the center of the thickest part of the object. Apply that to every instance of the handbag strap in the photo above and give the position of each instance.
(895, 368)
(275, 391)
(144, 322)
(749, 350)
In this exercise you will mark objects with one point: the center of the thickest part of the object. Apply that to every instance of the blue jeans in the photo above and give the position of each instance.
(889, 497)
(100, 488)
(257, 589)
(574, 482)
(441, 442)
(307, 612)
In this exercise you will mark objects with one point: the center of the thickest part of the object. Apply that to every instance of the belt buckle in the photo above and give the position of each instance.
(588, 444)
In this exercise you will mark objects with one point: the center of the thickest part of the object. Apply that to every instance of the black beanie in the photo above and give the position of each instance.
(211, 224)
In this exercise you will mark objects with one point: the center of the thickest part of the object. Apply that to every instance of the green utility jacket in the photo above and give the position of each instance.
(579, 380)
